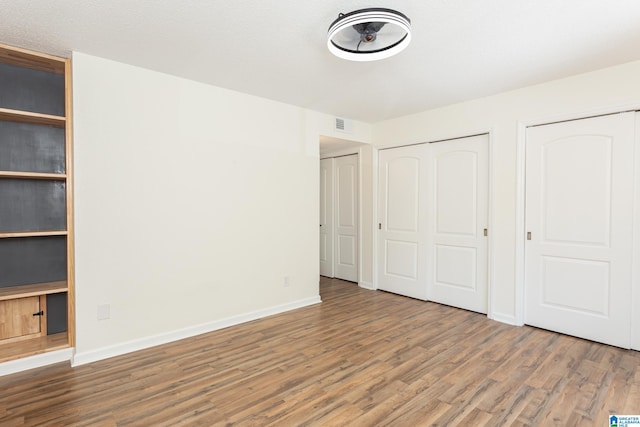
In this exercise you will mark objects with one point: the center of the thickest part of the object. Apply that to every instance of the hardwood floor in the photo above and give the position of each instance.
(361, 358)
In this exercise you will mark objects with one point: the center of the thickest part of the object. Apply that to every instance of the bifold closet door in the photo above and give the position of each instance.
(346, 218)
(326, 217)
(458, 205)
(579, 224)
(402, 228)
(433, 209)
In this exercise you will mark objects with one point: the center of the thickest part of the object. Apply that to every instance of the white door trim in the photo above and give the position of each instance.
(519, 277)
(635, 272)
(328, 228)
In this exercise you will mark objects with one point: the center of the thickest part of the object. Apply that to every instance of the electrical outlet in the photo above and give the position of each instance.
(104, 312)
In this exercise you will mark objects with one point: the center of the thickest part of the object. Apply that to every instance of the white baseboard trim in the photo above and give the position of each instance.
(36, 361)
(154, 340)
(504, 318)
(366, 285)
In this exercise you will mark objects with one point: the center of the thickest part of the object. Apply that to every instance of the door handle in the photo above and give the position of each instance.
(528, 235)
(486, 232)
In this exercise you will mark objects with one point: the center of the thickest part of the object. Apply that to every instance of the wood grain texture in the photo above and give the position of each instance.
(30, 59)
(36, 289)
(31, 347)
(71, 264)
(17, 320)
(30, 117)
(361, 358)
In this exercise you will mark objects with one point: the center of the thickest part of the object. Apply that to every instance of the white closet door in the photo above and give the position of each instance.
(326, 217)
(402, 236)
(458, 205)
(579, 204)
(346, 218)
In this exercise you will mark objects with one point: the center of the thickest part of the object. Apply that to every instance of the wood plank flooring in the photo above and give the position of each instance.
(361, 358)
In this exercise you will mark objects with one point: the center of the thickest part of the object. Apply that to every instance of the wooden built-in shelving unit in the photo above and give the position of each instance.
(36, 204)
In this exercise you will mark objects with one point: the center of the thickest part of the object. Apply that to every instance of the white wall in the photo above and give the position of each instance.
(192, 204)
(504, 115)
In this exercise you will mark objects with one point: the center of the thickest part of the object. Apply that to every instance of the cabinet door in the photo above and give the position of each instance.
(17, 318)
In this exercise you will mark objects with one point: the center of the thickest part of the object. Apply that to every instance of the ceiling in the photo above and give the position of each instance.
(461, 49)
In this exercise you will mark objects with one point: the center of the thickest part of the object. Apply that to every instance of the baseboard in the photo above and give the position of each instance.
(504, 318)
(152, 341)
(366, 285)
(36, 361)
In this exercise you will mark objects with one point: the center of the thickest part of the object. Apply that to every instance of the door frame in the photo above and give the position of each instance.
(490, 214)
(520, 242)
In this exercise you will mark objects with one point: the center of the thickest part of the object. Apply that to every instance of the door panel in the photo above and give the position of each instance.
(447, 267)
(569, 193)
(456, 175)
(326, 217)
(402, 235)
(402, 193)
(459, 205)
(579, 285)
(346, 266)
(579, 195)
(401, 259)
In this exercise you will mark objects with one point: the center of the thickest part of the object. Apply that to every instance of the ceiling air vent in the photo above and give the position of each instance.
(343, 125)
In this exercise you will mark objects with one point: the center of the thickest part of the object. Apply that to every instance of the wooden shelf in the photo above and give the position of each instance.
(33, 346)
(33, 118)
(44, 233)
(33, 175)
(37, 289)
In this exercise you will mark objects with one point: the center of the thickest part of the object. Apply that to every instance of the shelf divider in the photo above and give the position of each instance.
(36, 289)
(33, 118)
(33, 175)
(43, 233)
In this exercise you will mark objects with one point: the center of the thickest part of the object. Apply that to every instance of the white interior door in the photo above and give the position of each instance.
(402, 232)
(346, 218)
(579, 204)
(458, 205)
(326, 217)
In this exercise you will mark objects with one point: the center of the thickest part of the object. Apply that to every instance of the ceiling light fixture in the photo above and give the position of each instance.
(369, 34)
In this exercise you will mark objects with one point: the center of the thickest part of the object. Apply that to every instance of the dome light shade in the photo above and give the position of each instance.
(369, 34)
